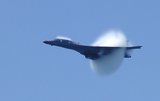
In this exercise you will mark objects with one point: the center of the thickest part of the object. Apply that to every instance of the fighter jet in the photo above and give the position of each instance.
(90, 52)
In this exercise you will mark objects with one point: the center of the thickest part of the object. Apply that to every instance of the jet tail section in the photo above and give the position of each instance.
(129, 50)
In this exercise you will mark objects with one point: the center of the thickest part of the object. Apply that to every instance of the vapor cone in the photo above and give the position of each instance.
(108, 64)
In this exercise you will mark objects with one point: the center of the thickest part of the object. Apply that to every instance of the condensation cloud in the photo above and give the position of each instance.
(110, 63)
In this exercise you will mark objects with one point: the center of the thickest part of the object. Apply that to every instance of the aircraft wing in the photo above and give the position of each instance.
(94, 52)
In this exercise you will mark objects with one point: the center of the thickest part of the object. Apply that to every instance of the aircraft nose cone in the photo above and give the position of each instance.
(47, 42)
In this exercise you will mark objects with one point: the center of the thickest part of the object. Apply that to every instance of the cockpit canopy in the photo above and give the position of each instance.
(63, 38)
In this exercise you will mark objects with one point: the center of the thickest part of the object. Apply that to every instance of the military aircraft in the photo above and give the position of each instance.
(90, 52)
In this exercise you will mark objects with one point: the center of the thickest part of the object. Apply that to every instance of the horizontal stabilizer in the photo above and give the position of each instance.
(134, 47)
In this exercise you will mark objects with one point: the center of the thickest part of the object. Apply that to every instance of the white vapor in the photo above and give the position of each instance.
(108, 64)
(63, 37)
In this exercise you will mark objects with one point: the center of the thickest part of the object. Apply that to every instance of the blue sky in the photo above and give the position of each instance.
(33, 71)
